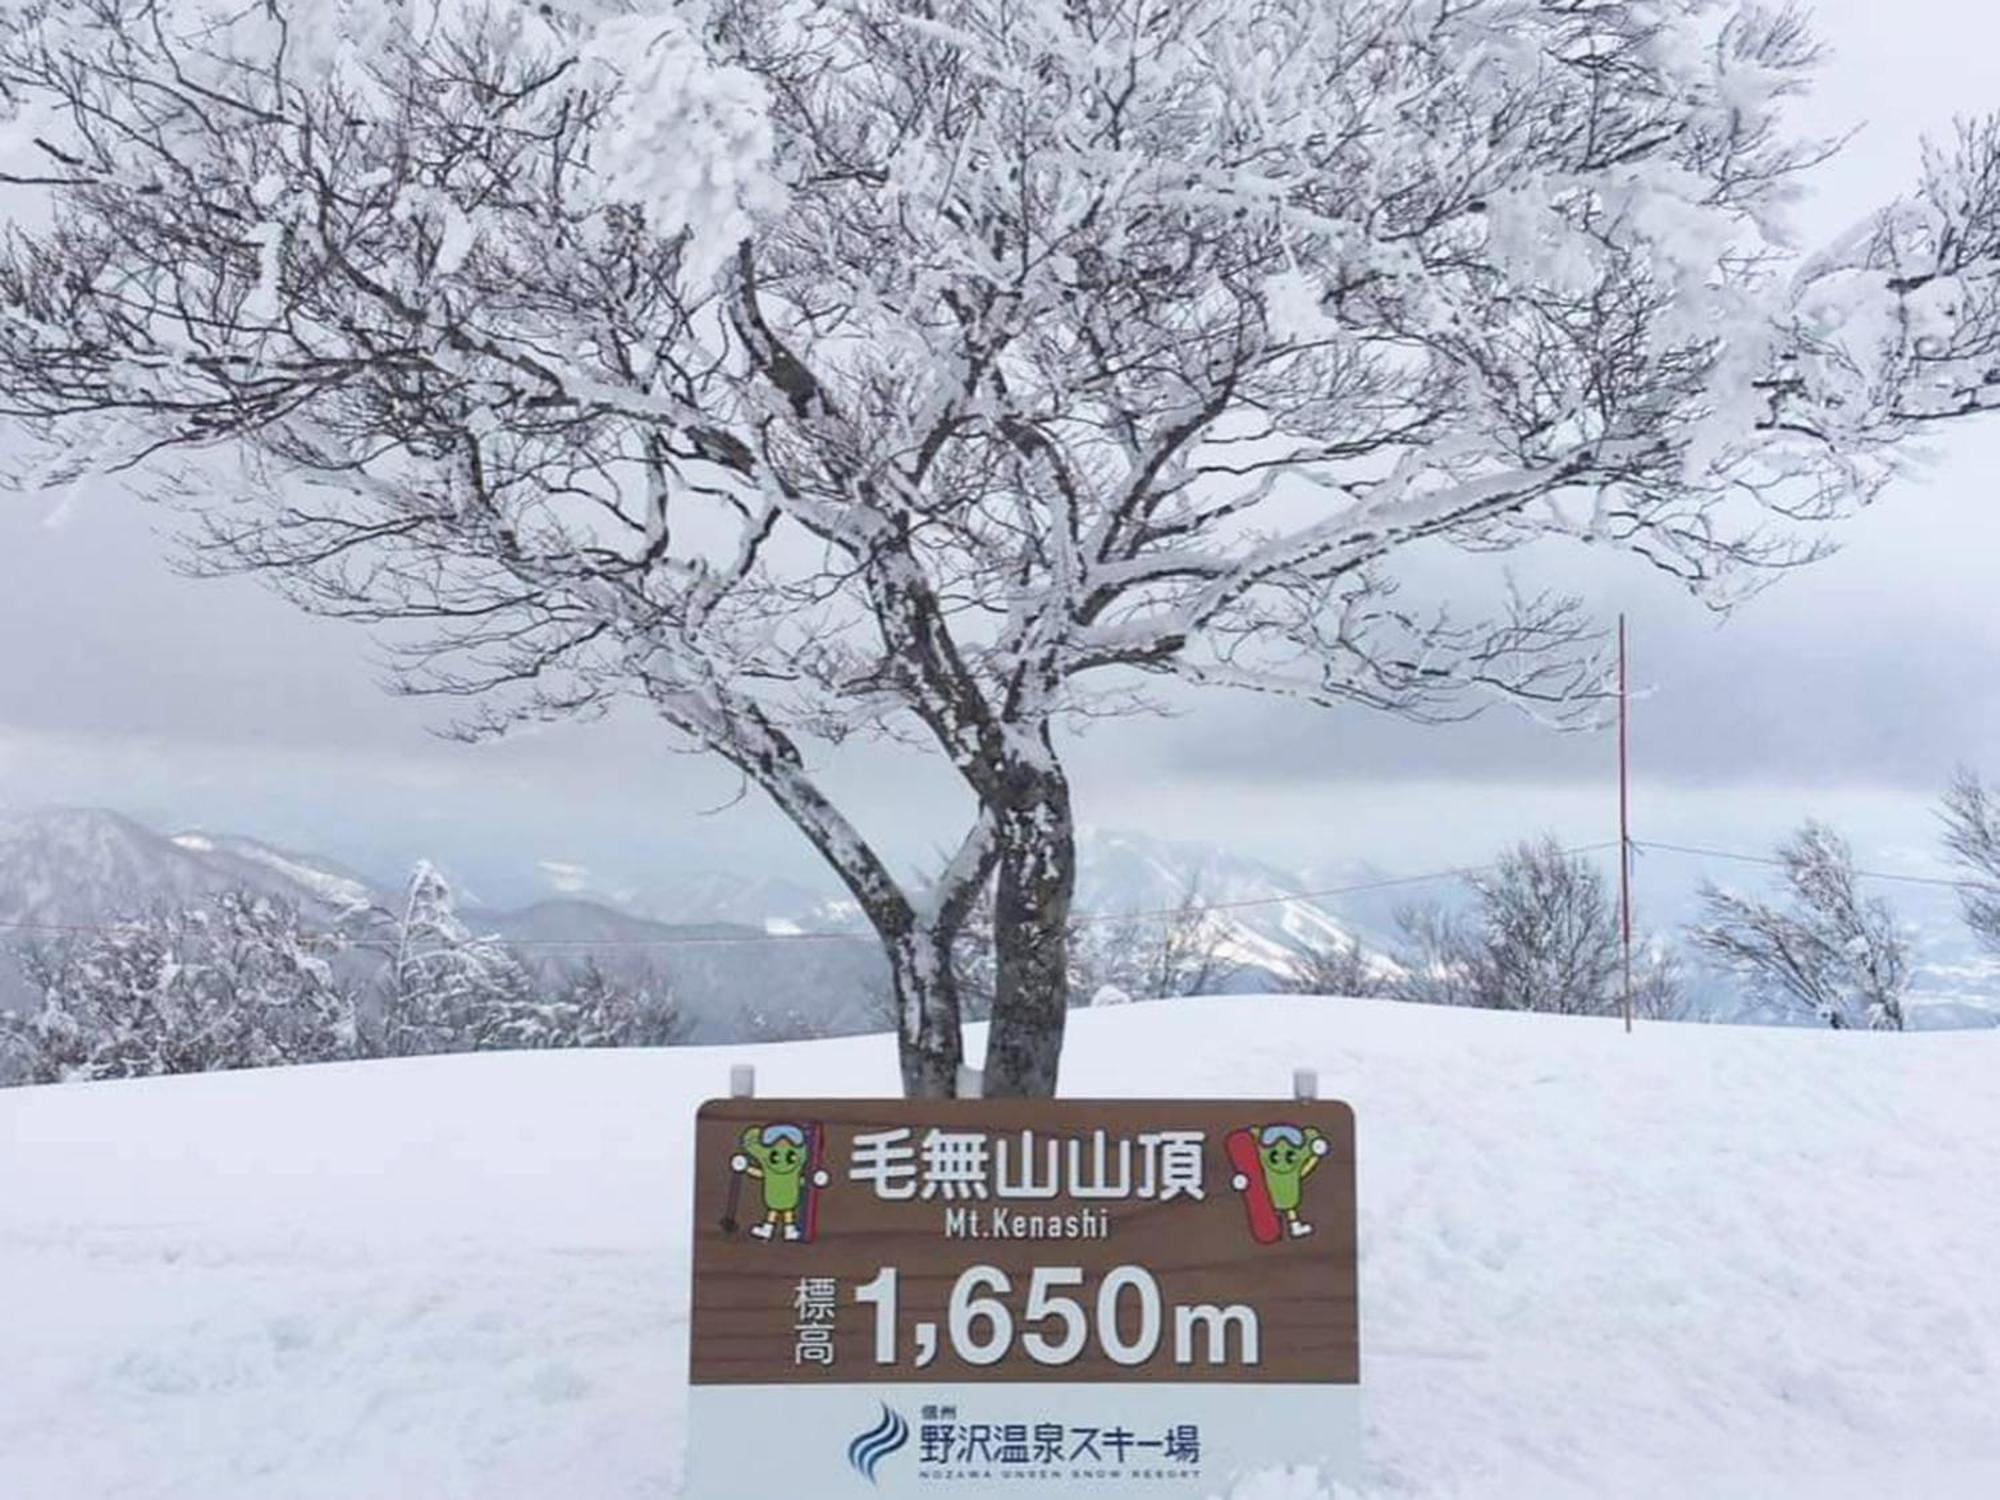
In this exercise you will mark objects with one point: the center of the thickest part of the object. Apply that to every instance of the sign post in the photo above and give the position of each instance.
(1020, 1297)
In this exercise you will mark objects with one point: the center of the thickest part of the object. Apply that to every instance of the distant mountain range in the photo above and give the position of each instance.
(748, 956)
(83, 866)
(67, 868)
(756, 957)
(768, 903)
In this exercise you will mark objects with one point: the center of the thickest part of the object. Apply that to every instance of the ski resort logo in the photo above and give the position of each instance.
(787, 1162)
(888, 1436)
(1269, 1165)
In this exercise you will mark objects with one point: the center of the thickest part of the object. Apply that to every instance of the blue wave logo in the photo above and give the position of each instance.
(887, 1436)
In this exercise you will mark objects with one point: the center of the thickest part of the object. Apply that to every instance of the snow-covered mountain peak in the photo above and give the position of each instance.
(1253, 914)
(63, 866)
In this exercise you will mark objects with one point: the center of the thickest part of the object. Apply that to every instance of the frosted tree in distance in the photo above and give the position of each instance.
(588, 1007)
(448, 989)
(1971, 815)
(808, 371)
(237, 983)
(1343, 968)
(1159, 955)
(1831, 953)
(1542, 934)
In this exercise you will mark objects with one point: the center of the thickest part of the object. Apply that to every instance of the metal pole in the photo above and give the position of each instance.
(1624, 821)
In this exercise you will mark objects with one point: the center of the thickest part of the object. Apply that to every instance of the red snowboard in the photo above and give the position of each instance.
(1248, 1179)
(815, 1165)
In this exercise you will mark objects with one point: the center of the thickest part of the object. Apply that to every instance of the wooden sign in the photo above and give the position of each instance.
(985, 1297)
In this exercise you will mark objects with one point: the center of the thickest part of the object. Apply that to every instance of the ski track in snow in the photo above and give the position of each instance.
(1701, 1261)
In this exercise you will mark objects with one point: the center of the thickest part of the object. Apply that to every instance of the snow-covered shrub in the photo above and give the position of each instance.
(1157, 955)
(586, 1007)
(1972, 833)
(1336, 968)
(634, 1009)
(243, 981)
(1109, 994)
(786, 1024)
(443, 986)
(1542, 934)
(1830, 953)
(238, 982)
(1161, 955)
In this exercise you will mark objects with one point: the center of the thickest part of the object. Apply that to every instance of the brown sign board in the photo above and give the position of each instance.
(1018, 1258)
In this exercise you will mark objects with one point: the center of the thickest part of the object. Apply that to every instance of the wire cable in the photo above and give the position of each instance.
(1944, 881)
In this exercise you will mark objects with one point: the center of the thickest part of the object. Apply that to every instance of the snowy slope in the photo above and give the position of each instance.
(771, 903)
(700, 897)
(1715, 1262)
(333, 883)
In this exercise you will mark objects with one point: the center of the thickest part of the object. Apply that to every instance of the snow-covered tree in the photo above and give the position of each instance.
(242, 981)
(445, 988)
(637, 1008)
(1334, 967)
(1160, 955)
(1438, 960)
(1551, 932)
(1971, 816)
(1542, 934)
(1830, 953)
(1157, 955)
(588, 1006)
(781, 1024)
(807, 371)
(238, 982)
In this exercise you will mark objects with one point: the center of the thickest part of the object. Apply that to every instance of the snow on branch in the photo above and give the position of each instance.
(804, 372)
(1829, 952)
(1971, 817)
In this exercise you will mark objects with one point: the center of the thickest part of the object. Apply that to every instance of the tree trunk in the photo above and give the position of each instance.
(930, 1046)
(1034, 887)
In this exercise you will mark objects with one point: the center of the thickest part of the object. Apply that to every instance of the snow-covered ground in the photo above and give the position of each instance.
(1699, 1261)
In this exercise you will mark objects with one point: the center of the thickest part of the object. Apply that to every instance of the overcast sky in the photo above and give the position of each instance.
(1849, 690)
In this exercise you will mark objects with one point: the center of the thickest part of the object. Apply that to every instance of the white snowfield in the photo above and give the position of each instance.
(1698, 1261)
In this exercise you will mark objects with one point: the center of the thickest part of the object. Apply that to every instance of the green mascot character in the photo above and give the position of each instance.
(1289, 1156)
(774, 1156)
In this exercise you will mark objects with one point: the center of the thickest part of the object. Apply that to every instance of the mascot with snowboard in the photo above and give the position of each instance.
(1270, 1164)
